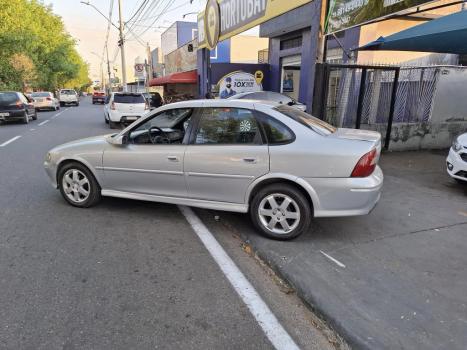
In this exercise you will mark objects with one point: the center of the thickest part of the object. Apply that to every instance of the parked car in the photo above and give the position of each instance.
(281, 165)
(15, 106)
(98, 97)
(125, 107)
(68, 96)
(45, 100)
(457, 159)
(269, 96)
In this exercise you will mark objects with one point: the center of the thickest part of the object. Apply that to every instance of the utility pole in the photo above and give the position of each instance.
(108, 70)
(122, 45)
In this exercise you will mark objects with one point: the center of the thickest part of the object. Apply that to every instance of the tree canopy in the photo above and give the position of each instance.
(35, 49)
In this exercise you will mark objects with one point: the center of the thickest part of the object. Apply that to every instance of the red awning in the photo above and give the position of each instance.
(190, 77)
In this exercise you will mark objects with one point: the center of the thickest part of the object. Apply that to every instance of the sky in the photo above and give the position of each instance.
(89, 28)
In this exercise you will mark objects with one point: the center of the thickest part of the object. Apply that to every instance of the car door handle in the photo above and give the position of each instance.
(249, 160)
(172, 158)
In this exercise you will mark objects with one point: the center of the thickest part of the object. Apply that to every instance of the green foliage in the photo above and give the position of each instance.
(35, 49)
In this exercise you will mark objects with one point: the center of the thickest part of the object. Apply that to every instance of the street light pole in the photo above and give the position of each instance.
(122, 45)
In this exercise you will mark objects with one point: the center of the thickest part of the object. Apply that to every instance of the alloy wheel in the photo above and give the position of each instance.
(76, 185)
(279, 213)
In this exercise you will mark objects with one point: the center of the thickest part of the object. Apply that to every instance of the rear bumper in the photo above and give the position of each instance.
(12, 115)
(118, 117)
(346, 196)
(48, 104)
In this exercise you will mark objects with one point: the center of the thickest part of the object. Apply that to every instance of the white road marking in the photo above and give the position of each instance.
(32, 129)
(44, 122)
(10, 141)
(276, 334)
(333, 259)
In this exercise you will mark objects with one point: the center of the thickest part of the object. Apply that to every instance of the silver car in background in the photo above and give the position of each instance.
(45, 100)
(278, 163)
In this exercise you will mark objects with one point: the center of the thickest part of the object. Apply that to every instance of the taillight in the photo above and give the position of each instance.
(366, 165)
(19, 104)
(49, 99)
(112, 106)
(146, 106)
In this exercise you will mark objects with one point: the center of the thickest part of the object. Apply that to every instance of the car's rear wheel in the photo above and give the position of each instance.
(26, 118)
(280, 211)
(34, 116)
(112, 125)
(78, 185)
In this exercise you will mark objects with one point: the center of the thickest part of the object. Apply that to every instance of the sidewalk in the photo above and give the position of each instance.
(405, 278)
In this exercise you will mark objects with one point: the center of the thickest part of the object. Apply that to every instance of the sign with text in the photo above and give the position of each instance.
(238, 82)
(223, 19)
(344, 14)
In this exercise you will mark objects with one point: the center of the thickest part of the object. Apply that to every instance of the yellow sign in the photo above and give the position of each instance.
(231, 17)
(259, 76)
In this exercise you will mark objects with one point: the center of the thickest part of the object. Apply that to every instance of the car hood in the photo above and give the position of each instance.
(462, 139)
(95, 142)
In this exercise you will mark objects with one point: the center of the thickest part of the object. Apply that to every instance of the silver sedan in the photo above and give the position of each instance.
(276, 162)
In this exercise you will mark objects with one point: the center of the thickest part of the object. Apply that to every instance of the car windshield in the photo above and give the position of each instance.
(68, 92)
(7, 98)
(128, 98)
(306, 119)
(40, 94)
(166, 119)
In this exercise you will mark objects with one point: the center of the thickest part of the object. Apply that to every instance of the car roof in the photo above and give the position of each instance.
(247, 103)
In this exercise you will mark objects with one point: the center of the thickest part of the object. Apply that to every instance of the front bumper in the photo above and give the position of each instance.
(51, 170)
(455, 165)
(346, 196)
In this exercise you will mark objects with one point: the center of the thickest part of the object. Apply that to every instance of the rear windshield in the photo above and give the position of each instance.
(68, 92)
(7, 98)
(306, 119)
(40, 94)
(129, 98)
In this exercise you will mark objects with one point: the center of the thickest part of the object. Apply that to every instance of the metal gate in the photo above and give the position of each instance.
(374, 97)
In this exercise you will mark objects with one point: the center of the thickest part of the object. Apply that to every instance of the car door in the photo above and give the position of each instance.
(225, 155)
(28, 105)
(143, 167)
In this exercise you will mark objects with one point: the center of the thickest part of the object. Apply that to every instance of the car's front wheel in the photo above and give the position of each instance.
(78, 185)
(280, 211)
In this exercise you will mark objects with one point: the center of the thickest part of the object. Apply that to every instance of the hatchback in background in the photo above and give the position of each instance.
(68, 96)
(45, 100)
(457, 159)
(98, 97)
(125, 108)
(269, 96)
(15, 106)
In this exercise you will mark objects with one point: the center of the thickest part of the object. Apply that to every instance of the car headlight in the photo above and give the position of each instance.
(456, 146)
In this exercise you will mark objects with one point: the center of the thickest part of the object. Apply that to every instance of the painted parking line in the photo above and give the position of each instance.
(44, 122)
(274, 331)
(10, 141)
(334, 260)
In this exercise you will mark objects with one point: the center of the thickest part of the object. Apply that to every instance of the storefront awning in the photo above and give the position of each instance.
(446, 34)
(190, 77)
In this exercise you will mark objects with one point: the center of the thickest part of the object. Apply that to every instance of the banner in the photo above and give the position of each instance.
(344, 14)
(237, 82)
(223, 19)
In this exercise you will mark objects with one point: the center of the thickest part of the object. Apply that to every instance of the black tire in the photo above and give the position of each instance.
(94, 187)
(62, 104)
(34, 117)
(77, 104)
(26, 118)
(305, 211)
(112, 125)
(106, 120)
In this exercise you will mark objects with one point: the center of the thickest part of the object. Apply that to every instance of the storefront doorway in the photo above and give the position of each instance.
(290, 80)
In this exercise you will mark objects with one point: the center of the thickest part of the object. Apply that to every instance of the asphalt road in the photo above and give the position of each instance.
(124, 274)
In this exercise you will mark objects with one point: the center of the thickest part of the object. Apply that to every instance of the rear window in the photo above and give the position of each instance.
(40, 94)
(306, 119)
(68, 92)
(7, 98)
(129, 98)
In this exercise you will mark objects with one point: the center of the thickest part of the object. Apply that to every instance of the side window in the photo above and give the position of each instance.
(227, 126)
(276, 132)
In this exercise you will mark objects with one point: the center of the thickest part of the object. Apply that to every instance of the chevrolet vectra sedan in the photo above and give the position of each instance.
(280, 164)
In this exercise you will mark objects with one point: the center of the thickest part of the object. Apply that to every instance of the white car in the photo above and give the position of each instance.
(68, 96)
(125, 108)
(457, 159)
(269, 96)
(45, 100)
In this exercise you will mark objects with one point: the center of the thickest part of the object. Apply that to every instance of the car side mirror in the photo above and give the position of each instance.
(291, 103)
(118, 140)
